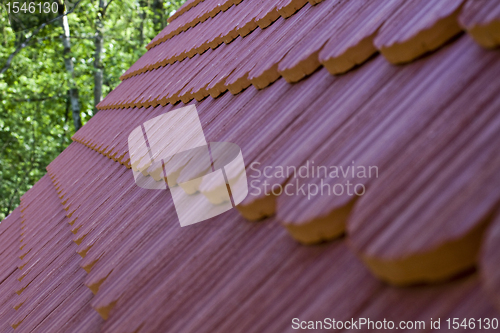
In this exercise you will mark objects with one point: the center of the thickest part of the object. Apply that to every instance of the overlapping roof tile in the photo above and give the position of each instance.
(52, 297)
(237, 21)
(489, 260)
(325, 34)
(457, 165)
(429, 127)
(418, 27)
(196, 14)
(481, 19)
(187, 5)
(10, 230)
(419, 95)
(131, 278)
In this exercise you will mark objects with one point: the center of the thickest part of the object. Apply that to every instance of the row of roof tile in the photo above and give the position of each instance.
(52, 297)
(187, 5)
(338, 120)
(238, 21)
(292, 48)
(197, 14)
(140, 295)
(429, 127)
(10, 233)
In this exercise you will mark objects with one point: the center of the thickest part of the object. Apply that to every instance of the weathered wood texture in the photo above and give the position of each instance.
(52, 297)
(481, 19)
(336, 34)
(490, 257)
(98, 246)
(10, 230)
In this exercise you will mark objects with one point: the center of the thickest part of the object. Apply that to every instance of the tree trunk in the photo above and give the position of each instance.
(158, 19)
(98, 41)
(68, 62)
(142, 15)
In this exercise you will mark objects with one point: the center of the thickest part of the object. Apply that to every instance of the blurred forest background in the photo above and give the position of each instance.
(54, 68)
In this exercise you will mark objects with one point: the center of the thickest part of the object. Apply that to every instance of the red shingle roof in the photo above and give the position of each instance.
(255, 72)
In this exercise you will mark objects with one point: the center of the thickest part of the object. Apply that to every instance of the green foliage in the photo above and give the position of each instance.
(35, 115)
